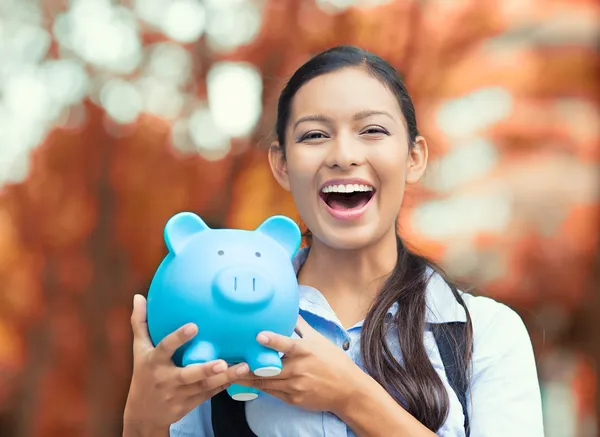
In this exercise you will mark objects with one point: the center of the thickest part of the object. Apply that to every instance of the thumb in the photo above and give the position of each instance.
(139, 323)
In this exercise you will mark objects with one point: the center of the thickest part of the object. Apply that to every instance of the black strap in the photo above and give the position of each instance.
(451, 340)
(229, 416)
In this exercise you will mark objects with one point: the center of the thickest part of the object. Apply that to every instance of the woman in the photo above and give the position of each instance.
(368, 360)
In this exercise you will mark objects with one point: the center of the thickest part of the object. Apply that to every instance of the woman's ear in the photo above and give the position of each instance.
(278, 165)
(416, 162)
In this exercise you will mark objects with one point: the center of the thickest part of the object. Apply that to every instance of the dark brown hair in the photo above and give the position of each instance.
(414, 383)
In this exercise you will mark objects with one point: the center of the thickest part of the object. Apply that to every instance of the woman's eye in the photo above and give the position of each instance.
(313, 136)
(375, 131)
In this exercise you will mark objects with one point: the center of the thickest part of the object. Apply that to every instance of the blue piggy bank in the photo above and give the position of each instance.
(232, 284)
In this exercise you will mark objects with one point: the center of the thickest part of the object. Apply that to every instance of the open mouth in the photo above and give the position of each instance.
(347, 197)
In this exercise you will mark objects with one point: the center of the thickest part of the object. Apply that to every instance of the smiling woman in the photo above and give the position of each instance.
(345, 123)
(386, 344)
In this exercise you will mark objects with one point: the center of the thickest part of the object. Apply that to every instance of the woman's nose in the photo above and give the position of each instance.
(345, 152)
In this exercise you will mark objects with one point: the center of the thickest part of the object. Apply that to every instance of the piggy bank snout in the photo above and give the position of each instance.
(242, 286)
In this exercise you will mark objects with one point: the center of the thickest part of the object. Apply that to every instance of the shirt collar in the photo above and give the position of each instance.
(442, 306)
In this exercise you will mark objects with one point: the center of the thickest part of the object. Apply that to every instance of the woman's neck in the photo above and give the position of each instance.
(349, 279)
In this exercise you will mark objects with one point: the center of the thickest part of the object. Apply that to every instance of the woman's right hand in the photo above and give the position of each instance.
(160, 392)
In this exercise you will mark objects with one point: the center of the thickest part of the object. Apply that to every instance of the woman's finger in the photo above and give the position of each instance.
(169, 345)
(279, 395)
(209, 378)
(196, 398)
(197, 372)
(280, 343)
(139, 323)
(265, 384)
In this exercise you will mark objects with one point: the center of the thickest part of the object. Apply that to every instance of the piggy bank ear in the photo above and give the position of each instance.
(180, 228)
(283, 230)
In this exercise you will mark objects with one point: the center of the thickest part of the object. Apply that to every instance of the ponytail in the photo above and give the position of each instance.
(415, 384)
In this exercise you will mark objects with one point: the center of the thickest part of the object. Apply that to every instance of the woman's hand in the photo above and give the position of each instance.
(161, 393)
(316, 375)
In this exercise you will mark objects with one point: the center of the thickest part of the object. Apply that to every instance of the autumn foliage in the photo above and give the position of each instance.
(83, 233)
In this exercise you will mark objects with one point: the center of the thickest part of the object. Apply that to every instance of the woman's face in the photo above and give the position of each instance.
(347, 158)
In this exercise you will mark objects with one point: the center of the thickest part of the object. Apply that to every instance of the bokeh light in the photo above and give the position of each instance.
(114, 115)
(235, 97)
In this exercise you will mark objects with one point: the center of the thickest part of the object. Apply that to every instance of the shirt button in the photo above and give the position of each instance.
(346, 345)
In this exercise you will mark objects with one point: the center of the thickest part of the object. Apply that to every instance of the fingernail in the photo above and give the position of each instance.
(262, 338)
(243, 369)
(220, 367)
(189, 330)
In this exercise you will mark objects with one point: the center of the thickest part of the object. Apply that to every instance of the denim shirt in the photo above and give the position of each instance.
(503, 398)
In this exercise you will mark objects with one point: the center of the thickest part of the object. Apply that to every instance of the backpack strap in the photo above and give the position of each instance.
(229, 417)
(451, 340)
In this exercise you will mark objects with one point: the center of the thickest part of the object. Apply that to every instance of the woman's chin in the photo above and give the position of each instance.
(348, 238)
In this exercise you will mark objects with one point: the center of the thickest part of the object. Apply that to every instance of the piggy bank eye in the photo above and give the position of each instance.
(220, 252)
(257, 254)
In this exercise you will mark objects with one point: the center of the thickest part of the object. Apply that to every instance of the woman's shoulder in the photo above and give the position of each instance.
(497, 328)
(488, 313)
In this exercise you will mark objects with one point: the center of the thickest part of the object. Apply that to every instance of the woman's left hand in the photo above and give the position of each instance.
(316, 374)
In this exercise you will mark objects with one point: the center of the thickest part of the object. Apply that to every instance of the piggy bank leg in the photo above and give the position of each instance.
(242, 393)
(265, 362)
(199, 352)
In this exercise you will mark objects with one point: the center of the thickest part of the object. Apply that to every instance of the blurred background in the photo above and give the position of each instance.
(114, 115)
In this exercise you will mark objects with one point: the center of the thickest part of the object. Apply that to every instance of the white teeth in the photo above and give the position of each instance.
(348, 188)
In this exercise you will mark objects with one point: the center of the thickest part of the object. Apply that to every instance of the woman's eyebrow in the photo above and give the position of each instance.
(368, 113)
(325, 119)
(315, 117)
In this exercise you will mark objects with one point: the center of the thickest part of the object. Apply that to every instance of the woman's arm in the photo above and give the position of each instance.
(372, 412)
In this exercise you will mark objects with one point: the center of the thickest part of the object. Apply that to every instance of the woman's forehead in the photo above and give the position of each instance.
(343, 93)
